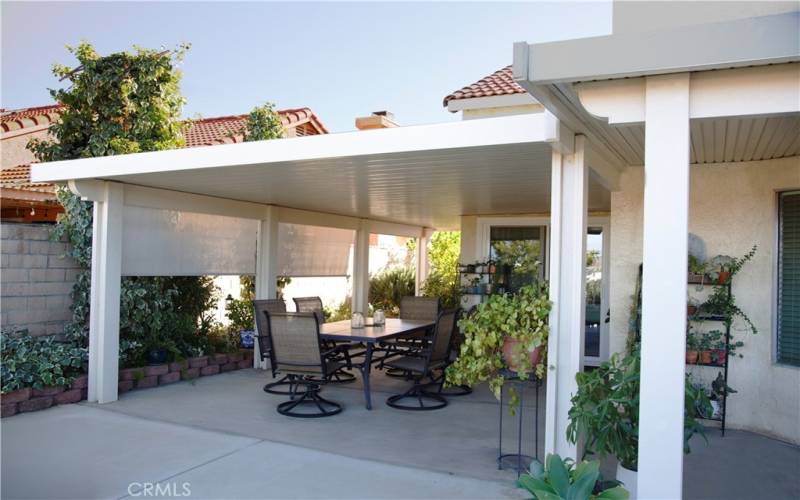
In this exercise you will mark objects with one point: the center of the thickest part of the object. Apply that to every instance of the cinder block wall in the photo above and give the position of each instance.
(34, 280)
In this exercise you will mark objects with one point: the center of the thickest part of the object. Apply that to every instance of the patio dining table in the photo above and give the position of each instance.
(370, 335)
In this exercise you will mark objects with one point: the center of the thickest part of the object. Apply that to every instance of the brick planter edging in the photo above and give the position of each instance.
(27, 399)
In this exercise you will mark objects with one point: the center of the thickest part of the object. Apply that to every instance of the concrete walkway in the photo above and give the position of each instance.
(80, 451)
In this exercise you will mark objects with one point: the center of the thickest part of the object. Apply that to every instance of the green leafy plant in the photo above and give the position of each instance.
(387, 288)
(522, 317)
(118, 104)
(562, 479)
(263, 123)
(442, 282)
(37, 362)
(605, 410)
(723, 304)
(341, 312)
(719, 389)
(725, 263)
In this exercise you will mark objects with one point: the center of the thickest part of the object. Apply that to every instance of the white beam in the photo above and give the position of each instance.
(361, 269)
(266, 265)
(665, 246)
(422, 263)
(105, 294)
(740, 92)
(568, 255)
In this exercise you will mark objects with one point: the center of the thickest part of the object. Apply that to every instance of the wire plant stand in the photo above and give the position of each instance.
(518, 461)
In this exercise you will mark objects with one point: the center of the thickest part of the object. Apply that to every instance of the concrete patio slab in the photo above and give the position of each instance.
(222, 437)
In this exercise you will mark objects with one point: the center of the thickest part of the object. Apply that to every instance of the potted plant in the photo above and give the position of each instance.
(707, 343)
(722, 304)
(507, 332)
(697, 270)
(692, 346)
(723, 267)
(719, 391)
(719, 350)
(562, 479)
(605, 413)
(691, 307)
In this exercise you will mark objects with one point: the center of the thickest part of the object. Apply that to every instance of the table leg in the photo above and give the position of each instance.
(365, 369)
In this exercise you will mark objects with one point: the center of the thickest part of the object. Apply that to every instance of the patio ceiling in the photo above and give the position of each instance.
(424, 176)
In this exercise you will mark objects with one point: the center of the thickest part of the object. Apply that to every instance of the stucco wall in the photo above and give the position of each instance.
(732, 207)
(13, 149)
(35, 281)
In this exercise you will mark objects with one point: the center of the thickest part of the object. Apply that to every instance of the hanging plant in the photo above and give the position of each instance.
(505, 333)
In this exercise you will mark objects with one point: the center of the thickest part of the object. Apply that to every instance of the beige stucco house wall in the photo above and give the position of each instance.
(732, 207)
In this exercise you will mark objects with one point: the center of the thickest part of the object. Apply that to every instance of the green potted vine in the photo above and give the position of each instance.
(723, 267)
(605, 414)
(507, 333)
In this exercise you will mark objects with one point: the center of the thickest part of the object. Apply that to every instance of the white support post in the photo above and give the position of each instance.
(422, 262)
(105, 294)
(361, 269)
(266, 266)
(567, 290)
(665, 246)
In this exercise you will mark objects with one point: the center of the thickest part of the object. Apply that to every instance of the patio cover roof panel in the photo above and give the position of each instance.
(425, 176)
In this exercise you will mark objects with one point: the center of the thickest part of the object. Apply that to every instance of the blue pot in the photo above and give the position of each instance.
(247, 338)
(156, 356)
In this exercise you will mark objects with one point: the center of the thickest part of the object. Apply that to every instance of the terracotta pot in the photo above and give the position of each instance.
(720, 356)
(691, 357)
(509, 345)
(723, 278)
(705, 357)
(691, 310)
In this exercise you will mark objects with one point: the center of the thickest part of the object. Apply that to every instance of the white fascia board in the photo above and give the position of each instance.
(744, 42)
(739, 92)
(517, 129)
(495, 101)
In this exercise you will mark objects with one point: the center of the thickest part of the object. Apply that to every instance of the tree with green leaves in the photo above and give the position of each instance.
(118, 104)
(443, 255)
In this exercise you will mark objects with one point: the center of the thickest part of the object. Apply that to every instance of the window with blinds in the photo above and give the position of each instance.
(789, 279)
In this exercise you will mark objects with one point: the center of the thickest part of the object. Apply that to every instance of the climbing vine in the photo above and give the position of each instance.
(118, 104)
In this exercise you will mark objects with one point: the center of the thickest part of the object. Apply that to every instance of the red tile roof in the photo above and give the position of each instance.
(227, 129)
(203, 132)
(501, 82)
(28, 117)
(19, 177)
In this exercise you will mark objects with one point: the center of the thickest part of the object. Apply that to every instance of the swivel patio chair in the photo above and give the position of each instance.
(298, 354)
(281, 386)
(455, 349)
(422, 363)
(412, 308)
(338, 350)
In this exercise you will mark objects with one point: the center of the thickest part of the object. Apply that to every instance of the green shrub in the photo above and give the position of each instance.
(38, 361)
(387, 288)
(341, 312)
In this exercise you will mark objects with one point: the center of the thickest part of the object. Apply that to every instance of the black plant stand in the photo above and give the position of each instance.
(517, 461)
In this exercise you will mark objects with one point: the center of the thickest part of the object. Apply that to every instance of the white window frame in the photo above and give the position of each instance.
(482, 242)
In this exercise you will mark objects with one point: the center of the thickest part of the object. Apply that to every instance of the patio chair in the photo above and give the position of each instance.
(264, 345)
(455, 348)
(412, 308)
(298, 354)
(421, 364)
(314, 305)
